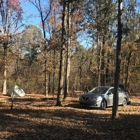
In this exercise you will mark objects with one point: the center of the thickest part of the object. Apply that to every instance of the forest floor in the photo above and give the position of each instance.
(34, 117)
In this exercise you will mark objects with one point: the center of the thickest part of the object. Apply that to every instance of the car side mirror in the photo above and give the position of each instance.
(109, 93)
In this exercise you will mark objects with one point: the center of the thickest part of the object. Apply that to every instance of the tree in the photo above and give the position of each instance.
(31, 38)
(79, 68)
(69, 7)
(62, 50)
(44, 16)
(130, 31)
(74, 20)
(118, 61)
(68, 49)
(101, 34)
(53, 27)
(10, 15)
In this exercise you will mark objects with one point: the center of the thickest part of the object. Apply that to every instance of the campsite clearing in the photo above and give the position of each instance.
(36, 117)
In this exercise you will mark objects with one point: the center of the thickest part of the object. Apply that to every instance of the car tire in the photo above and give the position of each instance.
(129, 103)
(124, 103)
(103, 105)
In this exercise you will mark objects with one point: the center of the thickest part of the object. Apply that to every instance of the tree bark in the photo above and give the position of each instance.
(62, 55)
(118, 61)
(68, 52)
(5, 72)
(99, 65)
(127, 70)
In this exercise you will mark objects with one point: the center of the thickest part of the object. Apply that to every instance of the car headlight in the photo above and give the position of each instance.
(99, 98)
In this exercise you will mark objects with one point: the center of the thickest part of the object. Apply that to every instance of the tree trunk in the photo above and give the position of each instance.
(62, 55)
(49, 77)
(118, 61)
(61, 77)
(68, 54)
(5, 71)
(127, 70)
(102, 67)
(54, 77)
(99, 66)
(46, 77)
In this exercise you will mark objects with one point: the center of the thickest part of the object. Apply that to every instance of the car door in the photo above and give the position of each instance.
(109, 97)
(120, 96)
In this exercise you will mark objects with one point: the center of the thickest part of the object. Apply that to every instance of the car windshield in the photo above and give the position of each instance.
(99, 90)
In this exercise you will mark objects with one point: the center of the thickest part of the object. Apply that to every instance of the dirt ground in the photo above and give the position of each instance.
(34, 117)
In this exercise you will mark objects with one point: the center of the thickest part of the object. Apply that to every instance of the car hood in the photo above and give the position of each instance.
(91, 95)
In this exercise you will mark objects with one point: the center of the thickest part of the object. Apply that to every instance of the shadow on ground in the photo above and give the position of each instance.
(39, 119)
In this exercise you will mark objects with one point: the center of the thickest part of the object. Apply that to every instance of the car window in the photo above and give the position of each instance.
(99, 90)
(120, 90)
(111, 91)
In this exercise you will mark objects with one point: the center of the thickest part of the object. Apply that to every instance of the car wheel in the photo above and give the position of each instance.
(103, 105)
(124, 103)
(129, 103)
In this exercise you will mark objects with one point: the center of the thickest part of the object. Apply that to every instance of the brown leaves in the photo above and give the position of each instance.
(15, 4)
(36, 117)
(4, 38)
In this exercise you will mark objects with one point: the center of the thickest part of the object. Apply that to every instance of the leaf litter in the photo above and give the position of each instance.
(36, 117)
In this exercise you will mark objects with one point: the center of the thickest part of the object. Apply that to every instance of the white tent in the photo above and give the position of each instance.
(16, 91)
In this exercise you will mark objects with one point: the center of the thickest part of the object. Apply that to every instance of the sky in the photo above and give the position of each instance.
(30, 14)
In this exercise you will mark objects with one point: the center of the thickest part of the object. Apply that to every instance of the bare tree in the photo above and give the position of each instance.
(68, 50)
(44, 16)
(118, 61)
(9, 10)
(62, 55)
